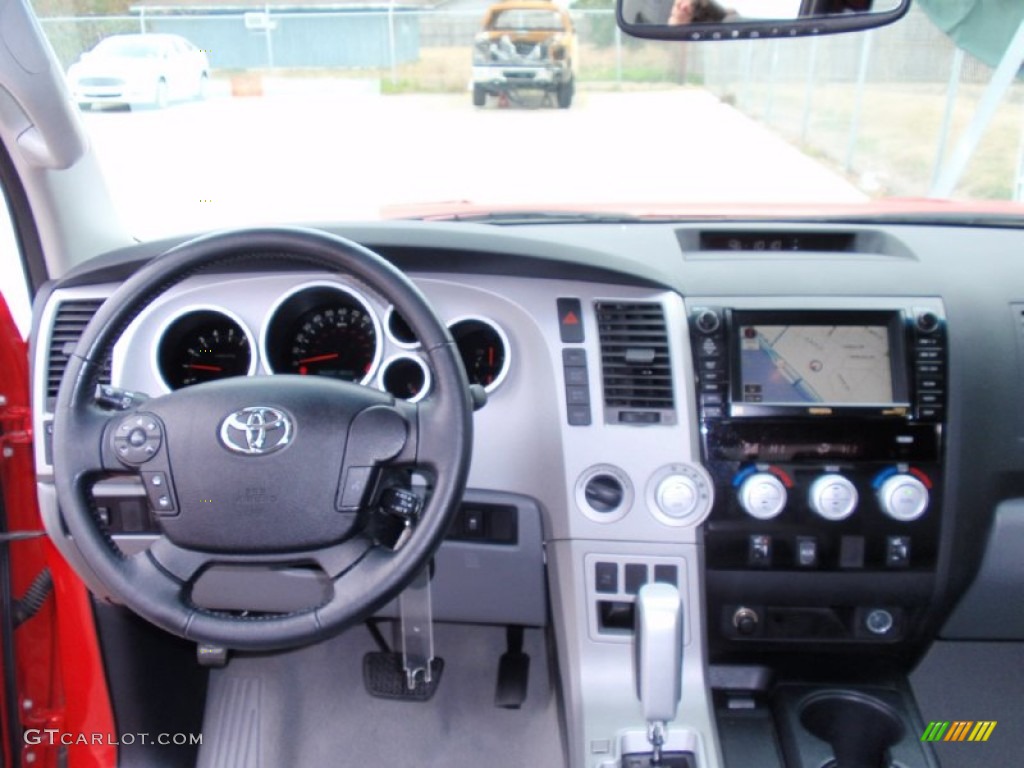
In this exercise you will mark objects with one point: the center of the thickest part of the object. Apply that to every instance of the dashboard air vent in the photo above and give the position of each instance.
(68, 324)
(635, 363)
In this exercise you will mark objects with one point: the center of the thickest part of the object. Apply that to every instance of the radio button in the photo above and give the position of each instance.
(707, 321)
(709, 347)
(833, 497)
(903, 498)
(762, 496)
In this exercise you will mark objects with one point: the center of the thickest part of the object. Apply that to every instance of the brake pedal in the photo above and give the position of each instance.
(384, 677)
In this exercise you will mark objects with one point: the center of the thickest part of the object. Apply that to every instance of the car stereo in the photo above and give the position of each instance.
(822, 430)
(816, 363)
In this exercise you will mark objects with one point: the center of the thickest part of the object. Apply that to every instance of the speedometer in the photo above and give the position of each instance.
(337, 341)
(323, 330)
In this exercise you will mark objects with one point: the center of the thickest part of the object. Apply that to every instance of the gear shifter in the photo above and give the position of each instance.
(659, 659)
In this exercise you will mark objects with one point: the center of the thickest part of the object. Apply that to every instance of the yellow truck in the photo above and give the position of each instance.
(525, 46)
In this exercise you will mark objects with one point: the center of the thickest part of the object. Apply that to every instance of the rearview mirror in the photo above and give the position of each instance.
(742, 19)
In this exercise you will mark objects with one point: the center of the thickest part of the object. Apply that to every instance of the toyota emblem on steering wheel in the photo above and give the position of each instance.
(256, 430)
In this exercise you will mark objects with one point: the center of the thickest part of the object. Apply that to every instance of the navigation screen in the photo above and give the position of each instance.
(828, 364)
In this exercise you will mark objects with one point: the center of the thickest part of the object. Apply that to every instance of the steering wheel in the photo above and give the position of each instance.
(264, 470)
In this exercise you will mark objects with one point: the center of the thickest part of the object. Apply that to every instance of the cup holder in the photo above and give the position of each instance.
(860, 729)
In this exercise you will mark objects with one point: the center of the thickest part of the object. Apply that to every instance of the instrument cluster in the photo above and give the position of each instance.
(322, 328)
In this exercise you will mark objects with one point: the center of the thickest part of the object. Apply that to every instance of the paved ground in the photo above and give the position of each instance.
(302, 156)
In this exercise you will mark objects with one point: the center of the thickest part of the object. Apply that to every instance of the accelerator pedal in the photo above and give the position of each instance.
(513, 671)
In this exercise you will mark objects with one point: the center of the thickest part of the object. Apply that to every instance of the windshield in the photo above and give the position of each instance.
(314, 113)
(128, 47)
(518, 18)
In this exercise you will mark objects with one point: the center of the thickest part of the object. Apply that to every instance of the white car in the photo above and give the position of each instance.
(142, 69)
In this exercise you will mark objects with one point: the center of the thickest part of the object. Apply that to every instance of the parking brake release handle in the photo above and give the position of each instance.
(659, 658)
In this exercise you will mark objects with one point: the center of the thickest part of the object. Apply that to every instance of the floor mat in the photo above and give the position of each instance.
(969, 681)
(309, 708)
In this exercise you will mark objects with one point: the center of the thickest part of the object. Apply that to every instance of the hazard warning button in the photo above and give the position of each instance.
(570, 321)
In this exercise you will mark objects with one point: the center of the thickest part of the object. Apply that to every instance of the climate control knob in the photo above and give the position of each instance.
(903, 498)
(762, 495)
(833, 497)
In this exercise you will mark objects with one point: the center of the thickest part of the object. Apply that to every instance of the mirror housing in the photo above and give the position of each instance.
(698, 20)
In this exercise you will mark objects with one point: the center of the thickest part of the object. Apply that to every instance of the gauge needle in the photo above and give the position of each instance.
(201, 367)
(318, 358)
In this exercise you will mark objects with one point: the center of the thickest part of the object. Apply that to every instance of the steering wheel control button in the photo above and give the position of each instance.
(137, 438)
(353, 488)
(762, 496)
(158, 491)
(897, 551)
(833, 497)
(903, 497)
(118, 399)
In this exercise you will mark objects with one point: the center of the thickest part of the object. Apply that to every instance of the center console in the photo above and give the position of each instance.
(822, 429)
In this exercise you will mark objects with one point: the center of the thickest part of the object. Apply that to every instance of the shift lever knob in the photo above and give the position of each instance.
(659, 651)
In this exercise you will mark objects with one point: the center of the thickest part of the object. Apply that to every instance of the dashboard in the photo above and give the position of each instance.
(811, 441)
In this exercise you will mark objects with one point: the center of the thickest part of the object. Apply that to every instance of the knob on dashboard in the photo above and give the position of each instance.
(762, 495)
(833, 497)
(707, 321)
(903, 497)
(678, 496)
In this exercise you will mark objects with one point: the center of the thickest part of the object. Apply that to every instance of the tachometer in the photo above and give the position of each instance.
(203, 345)
(323, 331)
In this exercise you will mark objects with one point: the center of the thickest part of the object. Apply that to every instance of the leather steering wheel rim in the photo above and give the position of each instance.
(155, 583)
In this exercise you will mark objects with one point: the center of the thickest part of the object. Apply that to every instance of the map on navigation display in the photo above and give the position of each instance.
(787, 364)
